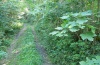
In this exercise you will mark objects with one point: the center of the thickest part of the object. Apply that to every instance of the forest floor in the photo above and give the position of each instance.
(15, 57)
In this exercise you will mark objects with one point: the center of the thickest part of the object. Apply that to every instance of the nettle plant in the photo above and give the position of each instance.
(78, 24)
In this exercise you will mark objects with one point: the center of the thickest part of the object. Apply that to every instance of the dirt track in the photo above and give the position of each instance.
(12, 46)
(39, 48)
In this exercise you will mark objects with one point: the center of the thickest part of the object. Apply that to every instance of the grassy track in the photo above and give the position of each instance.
(25, 52)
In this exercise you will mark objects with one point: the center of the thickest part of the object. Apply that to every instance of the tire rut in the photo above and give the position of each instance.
(12, 46)
(41, 50)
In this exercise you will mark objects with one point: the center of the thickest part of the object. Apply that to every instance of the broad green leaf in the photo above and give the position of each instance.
(87, 59)
(75, 14)
(81, 21)
(86, 13)
(82, 63)
(54, 32)
(64, 23)
(59, 35)
(59, 28)
(92, 61)
(65, 35)
(97, 60)
(64, 17)
(74, 29)
(67, 25)
(80, 26)
(92, 28)
(71, 24)
(98, 57)
(89, 62)
(88, 35)
(63, 31)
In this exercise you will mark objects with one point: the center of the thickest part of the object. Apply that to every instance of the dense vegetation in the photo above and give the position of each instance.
(74, 25)
(68, 29)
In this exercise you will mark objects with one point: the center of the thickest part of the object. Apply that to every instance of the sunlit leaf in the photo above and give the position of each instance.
(64, 17)
(80, 26)
(86, 13)
(88, 35)
(59, 28)
(63, 31)
(59, 35)
(74, 29)
(81, 21)
(82, 63)
(75, 14)
(72, 24)
(54, 32)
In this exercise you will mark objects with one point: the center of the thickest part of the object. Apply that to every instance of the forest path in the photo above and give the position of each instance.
(39, 48)
(12, 46)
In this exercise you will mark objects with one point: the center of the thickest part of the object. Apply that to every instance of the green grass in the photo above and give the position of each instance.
(25, 52)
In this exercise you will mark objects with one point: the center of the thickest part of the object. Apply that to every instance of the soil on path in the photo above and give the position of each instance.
(41, 50)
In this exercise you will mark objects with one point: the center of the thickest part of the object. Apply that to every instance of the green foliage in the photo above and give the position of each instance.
(26, 50)
(93, 61)
(9, 12)
(16, 25)
(78, 27)
(2, 54)
(74, 22)
(75, 34)
(89, 35)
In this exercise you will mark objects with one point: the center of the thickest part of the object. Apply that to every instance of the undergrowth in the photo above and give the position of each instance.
(78, 36)
(25, 52)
